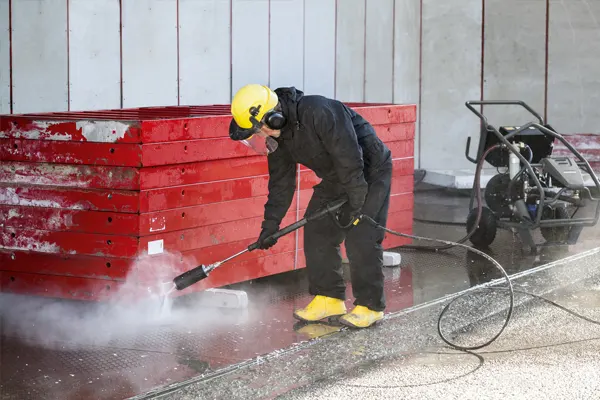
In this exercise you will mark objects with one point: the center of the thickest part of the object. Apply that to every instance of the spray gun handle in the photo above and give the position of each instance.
(333, 206)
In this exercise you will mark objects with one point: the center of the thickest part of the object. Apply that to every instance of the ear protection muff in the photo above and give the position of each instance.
(273, 119)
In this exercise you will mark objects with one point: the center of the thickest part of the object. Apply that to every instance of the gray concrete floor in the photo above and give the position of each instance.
(545, 354)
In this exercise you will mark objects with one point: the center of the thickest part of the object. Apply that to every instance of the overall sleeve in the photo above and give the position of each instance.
(335, 128)
(282, 184)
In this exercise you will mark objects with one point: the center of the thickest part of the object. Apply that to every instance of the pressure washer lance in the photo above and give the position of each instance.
(201, 272)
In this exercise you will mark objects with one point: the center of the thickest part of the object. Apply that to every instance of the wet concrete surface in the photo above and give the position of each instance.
(56, 349)
(545, 353)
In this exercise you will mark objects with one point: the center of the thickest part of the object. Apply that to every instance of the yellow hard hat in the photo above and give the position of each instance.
(252, 100)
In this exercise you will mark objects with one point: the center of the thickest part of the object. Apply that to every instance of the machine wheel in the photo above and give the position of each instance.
(559, 234)
(485, 233)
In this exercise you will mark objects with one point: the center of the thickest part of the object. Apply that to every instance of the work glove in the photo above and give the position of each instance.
(351, 210)
(268, 229)
(347, 215)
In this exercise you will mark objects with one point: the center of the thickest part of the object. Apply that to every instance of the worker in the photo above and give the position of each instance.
(342, 148)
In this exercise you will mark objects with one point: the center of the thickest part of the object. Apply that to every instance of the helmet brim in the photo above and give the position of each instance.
(238, 133)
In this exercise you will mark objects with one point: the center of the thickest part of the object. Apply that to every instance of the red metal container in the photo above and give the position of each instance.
(88, 199)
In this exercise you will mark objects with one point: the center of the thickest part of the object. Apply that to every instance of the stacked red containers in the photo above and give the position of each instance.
(83, 195)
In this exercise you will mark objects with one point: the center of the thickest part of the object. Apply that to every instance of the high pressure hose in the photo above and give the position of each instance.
(449, 244)
(477, 188)
(505, 275)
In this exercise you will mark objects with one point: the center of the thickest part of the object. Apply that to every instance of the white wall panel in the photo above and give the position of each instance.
(379, 67)
(94, 54)
(40, 61)
(350, 57)
(407, 51)
(287, 43)
(4, 59)
(515, 59)
(451, 76)
(149, 52)
(250, 51)
(204, 51)
(574, 65)
(319, 47)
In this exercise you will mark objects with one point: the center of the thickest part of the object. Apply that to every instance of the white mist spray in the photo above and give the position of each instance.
(142, 303)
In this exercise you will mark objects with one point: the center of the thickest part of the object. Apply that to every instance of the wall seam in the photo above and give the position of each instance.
(547, 61)
(10, 57)
(365, 56)
(230, 49)
(297, 233)
(482, 82)
(335, 38)
(304, 45)
(394, 52)
(178, 63)
(269, 47)
(121, 51)
(68, 59)
(419, 111)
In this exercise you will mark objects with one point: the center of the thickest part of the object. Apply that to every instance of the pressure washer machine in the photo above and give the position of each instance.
(535, 189)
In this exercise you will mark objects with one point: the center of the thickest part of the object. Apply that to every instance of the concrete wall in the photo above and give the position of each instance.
(574, 66)
(543, 52)
(73, 55)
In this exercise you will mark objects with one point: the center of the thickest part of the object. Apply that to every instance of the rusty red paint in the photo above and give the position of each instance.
(69, 198)
(202, 215)
(394, 132)
(187, 165)
(160, 124)
(69, 242)
(79, 176)
(403, 184)
(212, 254)
(201, 172)
(44, 127)
(383, 115)
(171, 130)
(217, 213)
(204, 193)
(403, 166)
(193, 150)
(206, 236)
(68, 287)
(402, 149)
(68, 265)
(56, 219)
(175, 112)
(185, 129)
(45, 151)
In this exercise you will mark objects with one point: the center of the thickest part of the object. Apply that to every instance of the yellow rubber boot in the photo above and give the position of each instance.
(321, 307)
(361, 317)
